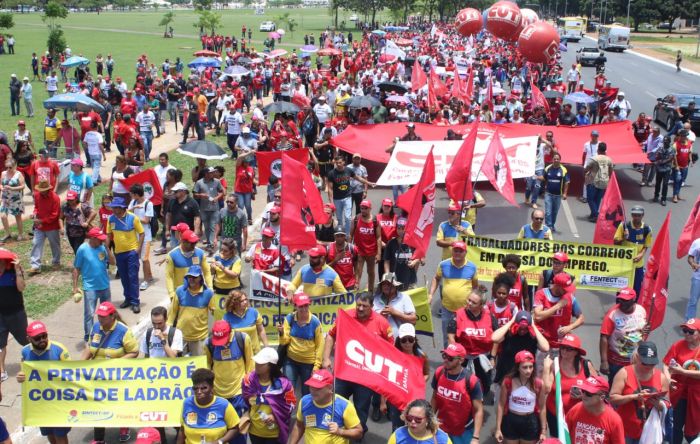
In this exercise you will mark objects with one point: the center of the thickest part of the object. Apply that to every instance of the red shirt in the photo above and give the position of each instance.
(46, 209)
(265, 258)
(375, 323)
(128, 107)
(688, 359)
(345, 266)
(276, 84)
(587, 428)
(104, 213)
(244, 179)
(365, 237)
(683, 152)
(388, 226)
(629, 411)
(44, 170)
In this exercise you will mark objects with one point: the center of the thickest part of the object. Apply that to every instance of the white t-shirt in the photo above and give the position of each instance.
(93, 140)
(233, 123)
(156, 349)
(52, 83)
(695, 252)
(143, 210)
(162, 173)
(323, 112)
(591, 149)
(145, 120)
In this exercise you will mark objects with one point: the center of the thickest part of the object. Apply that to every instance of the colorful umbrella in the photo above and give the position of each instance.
(236, 70)
(73, 102)
(398, 99)
(329, 52)
(387, 58)
(281, 31)
(309, 48)
(274, 35)
(404, 42)
(204, 62)
(379, 32)
(75, 61)
(206, 53)
(277, 53)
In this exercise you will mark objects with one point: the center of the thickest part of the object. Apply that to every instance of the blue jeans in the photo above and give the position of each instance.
(147, 137)
(692, 308)
(679, 412)
(361, 397)
(296, 371)
(679, 176)
(552, 202)
(128, 268)
(533, 186)
(447, 316)
(343, 210)
(638, 279)
(96, 163)
(91, 298)
(594, 196)
(397, 190)
(244, 201)
(464, 438)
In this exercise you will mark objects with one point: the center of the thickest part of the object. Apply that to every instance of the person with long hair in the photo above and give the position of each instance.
(11, 204)
(521, 416)
(270, 397)
(422, 425)
(120, 171)
(520, 291)
(24, 156)
(244, 318)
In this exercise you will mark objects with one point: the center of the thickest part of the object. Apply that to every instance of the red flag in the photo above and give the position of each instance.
(654, 293)
(439, 87)
(489, 92)
(433, 102)
(496, 168)
(418, 78)
(301, 100)
(367, 359)
(691, 230)
(302, 206)
(458, 180)
(538, 99)
(151, 185)
(611, 214)
(458, 90)
(419, 227)
(470, 85)
(270, 163)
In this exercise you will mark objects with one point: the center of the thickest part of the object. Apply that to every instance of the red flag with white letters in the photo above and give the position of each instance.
(654, 293)
(367, 359)
(496, 168)
(611, 214)
(419, 227)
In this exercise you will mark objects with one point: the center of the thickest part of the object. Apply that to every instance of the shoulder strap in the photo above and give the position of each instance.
(240, 341)
(171, 336)
(148, 341)
(586, 368)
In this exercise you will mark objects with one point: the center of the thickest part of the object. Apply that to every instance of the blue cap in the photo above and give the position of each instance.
(118, 202)
(194, 270)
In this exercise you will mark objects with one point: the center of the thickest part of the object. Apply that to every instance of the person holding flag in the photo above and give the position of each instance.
(593, 419)
(452, 230)
(635, 233)
(316, 278)
(555, 308)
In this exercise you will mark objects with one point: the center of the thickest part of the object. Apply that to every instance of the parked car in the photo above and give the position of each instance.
(666, 25)
(592, 26)
(664, 110)
(268, 26)
(590, 56)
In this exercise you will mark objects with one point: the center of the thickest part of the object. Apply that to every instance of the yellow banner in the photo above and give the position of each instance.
(424, 324)
(107, 392)
(596, 267)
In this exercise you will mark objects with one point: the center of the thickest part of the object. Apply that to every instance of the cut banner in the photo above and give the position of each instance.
(408, 158)
(596, 267)
(107, 392)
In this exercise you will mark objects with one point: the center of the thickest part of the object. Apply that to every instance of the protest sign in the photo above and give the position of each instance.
(596, 267)
(424, 323)
(107, 392)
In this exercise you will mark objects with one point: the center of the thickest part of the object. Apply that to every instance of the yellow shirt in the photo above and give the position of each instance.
(229, 365)
(125, 232)
(51, 132)
(258, 413)
(209, 422)
(325, 282)
(305, 341)
(191, 311)
(177, 264)
(427, 439)
(634, 238)
(316, 419)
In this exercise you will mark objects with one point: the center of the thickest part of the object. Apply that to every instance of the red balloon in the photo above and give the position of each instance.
(503, 20)
(528, 17)
(468, 22)
(539, 42)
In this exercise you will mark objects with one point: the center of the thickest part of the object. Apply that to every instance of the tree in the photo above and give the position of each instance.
(6, 20)
(292, 25)
(333, 8)
(202, 5)
(56, 42)
(52, 13)
(167, 19)
(208, 21)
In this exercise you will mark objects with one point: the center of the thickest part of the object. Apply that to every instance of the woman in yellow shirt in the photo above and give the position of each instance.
(226, 268)
(245, 319)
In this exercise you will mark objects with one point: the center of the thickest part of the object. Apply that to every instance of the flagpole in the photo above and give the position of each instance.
(425, 279)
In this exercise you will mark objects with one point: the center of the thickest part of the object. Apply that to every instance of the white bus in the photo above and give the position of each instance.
(571, 28)
(614, 37)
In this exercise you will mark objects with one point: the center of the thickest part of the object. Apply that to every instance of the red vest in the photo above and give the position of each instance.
(388, 227)
(453, 402)
(364, 237)
(505, 315)
(561, 318)
(475, 336)
(516, 293)
(632, 411)
(344, 266)
(566, 384)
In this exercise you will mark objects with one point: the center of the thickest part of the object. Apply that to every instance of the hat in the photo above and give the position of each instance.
(267, 355)
(392, 111)
(627, 294)
(560, 256)
(339, 232)
(147, 435)
(637, 209)
(21, 123)
(391, 278)
(595, 133)
(43, 185)
(648, 353)
(276, 209)
(71, 195)
(573, 341)
(454, 207)
(245, 130)
(188, 236)
(317, 251)
(210, 170)
(693, 324)
(189, 95)
(459, 245)
(523, 316)
(319, 379)
(621, 93)
(565, 281)
(407, 330)
(43, 152)
(401, 222)
(387, 201)
(366, 204)
(268, 232)
(301, 299)
(357, 155)
(13, 75)
(97, 233)
(194, 270)
(411, 125)
(455, 350)
(328, 124)
(595, 384)
(181, 227)
(179, 187)
(77, 161)
(105, 309)
(220, 332)
(524, 356)
(321, 97)
(36, 328)
(118, 202)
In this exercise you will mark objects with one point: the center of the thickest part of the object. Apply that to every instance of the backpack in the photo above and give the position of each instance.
(171, 335)
(645, 230)
(240, 341)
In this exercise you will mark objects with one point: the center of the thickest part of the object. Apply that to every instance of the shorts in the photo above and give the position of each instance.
(146, 250)
(324, 168)
(60, 432)
(521, 427)
(15, 323)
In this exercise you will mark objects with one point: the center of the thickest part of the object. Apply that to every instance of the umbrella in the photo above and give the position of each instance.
(277, 53)
(75, 61)
(206, 53)
(244, 61)
(387, 58)
(392, 86)
(379, 32)
(73, 102)
(563, 48)
(236, 70)
(309, 48)
(552, 94)
(329, 52)
(274, 35)
(579, 97)
(362, 102)
(203, 149)
(281, 107)
(398, 99)
(404, 42)
(204, 62)
(281, 32)
(256, 60)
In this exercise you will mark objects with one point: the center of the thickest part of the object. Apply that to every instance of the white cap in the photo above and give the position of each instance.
(267, 355)
(407, 330)
(25, 79)
(621, 93)
(245, 130)
(179, 187)
(13, 75)
(392, 111)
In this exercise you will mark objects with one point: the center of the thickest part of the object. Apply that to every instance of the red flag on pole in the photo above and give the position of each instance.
(418, 78)
(538, 99)
(433, 102)
(691, 230)
(367, 359)
(270, 163)
(439, 87)
(151, 185)
(458, 180)
(469, 90)
(419, 227)
(654, 292)
(302, 206)
(611, 214)
(496, 168)
(458, 90)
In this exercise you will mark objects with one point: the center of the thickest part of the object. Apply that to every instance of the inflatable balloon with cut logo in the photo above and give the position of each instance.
(503, 20)
(468, 22)
(539, 42)
(528, 17)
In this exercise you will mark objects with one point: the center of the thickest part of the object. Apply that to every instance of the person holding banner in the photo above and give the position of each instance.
(422, 425)
(452, 230)
(190, 310)
(635, 233)
(244, 318)
(265, 255)
(593, 419)
(559, 263)
(536, 229)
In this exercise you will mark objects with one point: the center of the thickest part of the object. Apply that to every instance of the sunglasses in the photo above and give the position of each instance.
(538, 218)
(231, 202)
(445, 357)
(687, 331)
(416, 419)
(408, 339)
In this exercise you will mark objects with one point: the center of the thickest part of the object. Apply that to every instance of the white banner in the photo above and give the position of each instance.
(408, 158)
(266, 287)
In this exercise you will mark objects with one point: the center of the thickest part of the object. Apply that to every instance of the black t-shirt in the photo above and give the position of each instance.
(326, 233)
(567, 118)
(11, 301)
(341, 182)
(183, 212)
(398, 256)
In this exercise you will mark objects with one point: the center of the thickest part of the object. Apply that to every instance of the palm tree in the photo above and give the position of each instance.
(167, 19)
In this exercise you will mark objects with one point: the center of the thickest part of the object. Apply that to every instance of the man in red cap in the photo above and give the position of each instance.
(593, 419)
(264, 255)
(457, 397)
(452, 230)
(555, 307)
(366, 234)
(559, 262)
(41, 349)
(181, 258)
(623, 326)
(316, 278)
(315, 425)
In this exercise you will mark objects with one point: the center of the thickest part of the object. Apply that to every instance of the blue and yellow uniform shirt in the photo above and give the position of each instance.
(191, 311)
(177, 264)
(639, 238)
(325, 282)
(248, 324)
(230, 364)
(456, 283)
(125, 232)
(54, 351)
(527, 232)
(317, 417)
(448, 233)
(112, 343)
(305, 341)
(210, 421)
(556, 179)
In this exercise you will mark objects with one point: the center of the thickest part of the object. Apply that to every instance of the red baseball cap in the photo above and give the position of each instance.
(71, 195)
(524, 356)
(459, 245)
(627, 294)
(301, 299)
(268, 232)
(561, 256)
(454, 207)
(455, 350)
(693, 324)
(366, 204)
(36, 328)
(329, 205)
(387, 201)
(105, 309)
(319, 379)
(181, 227)
(147, 435)
(276, 209)
(97, 233)
(573, 341)
(595, 384)
(189, 236)
(317, 251)
(565, 281)
(220, 333)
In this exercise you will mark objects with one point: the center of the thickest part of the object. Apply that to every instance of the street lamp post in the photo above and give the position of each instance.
(628, 12)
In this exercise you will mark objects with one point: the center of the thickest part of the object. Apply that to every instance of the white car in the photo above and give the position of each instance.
(268, 26)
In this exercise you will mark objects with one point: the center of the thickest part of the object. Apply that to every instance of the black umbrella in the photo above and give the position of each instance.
(362, 102)
(281, 107)
(203, 149)
(553, 94)
(392, 86)
(243, 61)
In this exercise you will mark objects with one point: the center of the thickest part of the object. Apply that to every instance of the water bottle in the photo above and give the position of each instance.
(263, 416)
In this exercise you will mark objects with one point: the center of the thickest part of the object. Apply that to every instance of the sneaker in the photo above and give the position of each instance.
(143, 286)
(160, 251)
(136, 309)
(124, 434)
(3, 376)
(125, 304)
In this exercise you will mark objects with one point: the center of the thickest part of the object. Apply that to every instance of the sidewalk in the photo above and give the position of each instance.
(65, 324)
